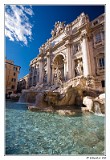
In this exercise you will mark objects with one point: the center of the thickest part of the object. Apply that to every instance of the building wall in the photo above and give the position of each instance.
(33, 73)
(23, 83)
(11, 76)
(75, 49)
(98, 47)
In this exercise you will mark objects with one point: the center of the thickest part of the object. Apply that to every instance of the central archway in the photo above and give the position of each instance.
(58, 62)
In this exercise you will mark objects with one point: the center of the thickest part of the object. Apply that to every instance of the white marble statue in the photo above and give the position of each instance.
(57, 28)
(79, 68)
(68, 29)
(57, 76)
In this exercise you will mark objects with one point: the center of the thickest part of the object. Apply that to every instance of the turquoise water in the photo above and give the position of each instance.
(51, 134)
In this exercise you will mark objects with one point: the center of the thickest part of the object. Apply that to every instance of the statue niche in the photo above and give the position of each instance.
(57, 77)
(58, 72)
(79, 68)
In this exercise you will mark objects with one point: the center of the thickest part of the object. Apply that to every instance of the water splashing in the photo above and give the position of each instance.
(23, 97)
(97, 109)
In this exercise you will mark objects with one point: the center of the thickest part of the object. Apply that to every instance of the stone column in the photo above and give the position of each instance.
(73, 65)
(92, 60)
(34, 74)
(69, 60)
(32, 77)
(85, 57)
(65, 71)
(52, 81)
(40, 70)
(48, 68)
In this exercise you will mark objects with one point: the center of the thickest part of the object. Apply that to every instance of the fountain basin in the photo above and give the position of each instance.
(41, 133)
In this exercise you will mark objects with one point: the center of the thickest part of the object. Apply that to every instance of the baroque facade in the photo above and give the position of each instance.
(11, 74)
(75, 49)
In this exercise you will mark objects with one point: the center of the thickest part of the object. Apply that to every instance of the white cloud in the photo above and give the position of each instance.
(17, 25)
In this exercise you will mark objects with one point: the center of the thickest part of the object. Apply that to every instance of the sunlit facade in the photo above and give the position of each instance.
(75, 49)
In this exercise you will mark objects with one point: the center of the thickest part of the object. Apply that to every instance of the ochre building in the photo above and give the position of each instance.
(73, 50)
(11, 76)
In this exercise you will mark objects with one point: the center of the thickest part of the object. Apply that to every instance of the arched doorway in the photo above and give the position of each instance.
(58, 63)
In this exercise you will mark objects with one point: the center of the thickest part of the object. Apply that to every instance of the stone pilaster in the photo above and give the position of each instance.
(73, 67)
(92, 60)
(52, 80)
(31, 76)
(48, 68)
(65, 71)
(40, 70)
(32, 80)
(85, 57)
(69, 59)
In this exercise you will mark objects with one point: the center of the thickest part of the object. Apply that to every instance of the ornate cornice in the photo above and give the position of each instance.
(68, 43)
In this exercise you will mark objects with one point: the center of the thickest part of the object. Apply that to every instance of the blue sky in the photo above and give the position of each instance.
(28, 27)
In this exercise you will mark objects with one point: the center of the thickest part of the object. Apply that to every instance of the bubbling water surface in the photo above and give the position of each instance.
(40, 133)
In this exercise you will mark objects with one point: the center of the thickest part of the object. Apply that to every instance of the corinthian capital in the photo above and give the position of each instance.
(68, 43)
(42, 49)
(48, 54)
(64, 60)
(40, 59)
(84, 34)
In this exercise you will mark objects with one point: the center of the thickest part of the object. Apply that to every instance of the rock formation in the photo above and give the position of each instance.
(70, 96)
(96, 105)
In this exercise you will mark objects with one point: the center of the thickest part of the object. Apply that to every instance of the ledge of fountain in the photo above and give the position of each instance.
(39, 109)
(65, 111)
